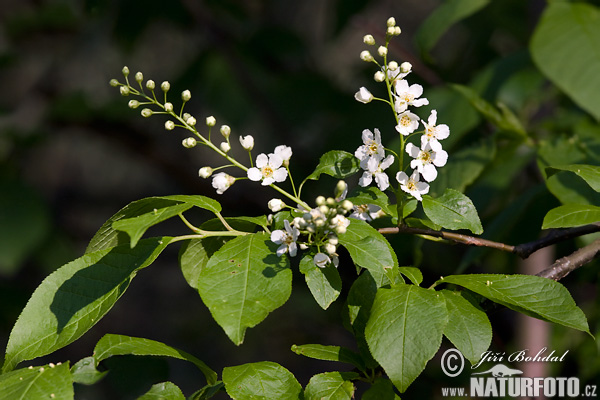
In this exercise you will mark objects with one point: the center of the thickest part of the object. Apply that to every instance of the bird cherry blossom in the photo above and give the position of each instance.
(366, 212)
(284, 152)
(407, 123)
(286, 238)
(408, 96)
(268, 169)
(363, 95)
(412, 185)
(372, 147)
(375, 169)
(427, 158)
(222, 182)
(434, 132)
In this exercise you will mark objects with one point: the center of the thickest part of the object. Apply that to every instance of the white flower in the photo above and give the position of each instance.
(340, 224)
(407, 123)
(225, 147)
(268, 170)
(408, 96)
(225, 131)
(321, 260)
(205, 172)
(287, 239)
(211, 121)
(394, 72)
(375, 169)
(434, 132)
(276, 205)
(366, 212)
(427, 158)
(363, 95)
(284, 152)
(222, 182)
(247, 142)
(372, 147)
(412, 185)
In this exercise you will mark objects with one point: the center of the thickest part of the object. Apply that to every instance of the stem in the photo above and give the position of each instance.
(563, 266)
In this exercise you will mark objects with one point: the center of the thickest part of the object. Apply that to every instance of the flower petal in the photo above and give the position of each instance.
(262, 160)
(254, 174)
(401, 177)
(429, 172)
(280, 175)
(441, 157)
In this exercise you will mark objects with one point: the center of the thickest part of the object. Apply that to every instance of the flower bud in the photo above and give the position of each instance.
(405, 67)
(366, 56)
(114, 83)
(188, 143)
(324, 209)
(390, 31)
(186, 95)
(150, 84)
(363, 95)
(247, 142)
(333, 240)
(225, 131)
(186, 116)
(330, 249)
(124, 91)
(340, 190)
(139, 77)
(211, 121)
(191, 121)
(379, 76)
(393, 65)
(369, 39)
(320, 200)
(225, 147)
(397, 31)
(169, 125)
(330, 201)
(347, 205)
(382, 51)
(391, 21)
(146, 112)
(133, 104)
(165, 86)
(125, 71)
(276, 205)
(205, 172)
(169, 107)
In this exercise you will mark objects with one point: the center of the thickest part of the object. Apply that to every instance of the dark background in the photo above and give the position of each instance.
(72, 154)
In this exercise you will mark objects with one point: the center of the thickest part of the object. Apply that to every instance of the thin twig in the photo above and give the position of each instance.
(563, 266)
(526, 249)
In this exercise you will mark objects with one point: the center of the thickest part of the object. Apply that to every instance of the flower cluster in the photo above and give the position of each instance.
(402, 97)
(318, 228)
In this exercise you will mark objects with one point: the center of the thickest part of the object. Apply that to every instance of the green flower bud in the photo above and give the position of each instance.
(124, 90)
(211, 121)
(191, 121)
(133, 104)
(150, 84)
(320, 200)
(369, 39)
(366, 56)
(114, 83)
(139, 77)
(225, 131)
(169, 107)
(205, 172)
(125, 71)
(169, 125)
(146, 112)
(186, 95)
(188, 143)
(165, 86)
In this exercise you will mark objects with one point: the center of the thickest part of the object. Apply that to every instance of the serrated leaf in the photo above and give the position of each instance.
(325, 284)
(468, 327)
(262, 380)
(537, 297)
(382, 389)
(372, 195)
(589, 173)
(336, 163)
(453, 211)
(38, 383)
(75, 297)
(442, 18)
(368, 248)
(414, 274)
(243, 282)
(163, 391)
(107, 237)
(571, 215)
(118, 345)
(405, 330)
(330, 353)
(84, 371)
(562, 24)
(331, 385)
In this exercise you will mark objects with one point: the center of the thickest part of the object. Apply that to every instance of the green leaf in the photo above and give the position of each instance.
(412, 273)
(75, 297)
(336, 163)
(571, 215)
(468, 327)
(243, 282)
(589, 173)
(84, 371)
(118, 345)
(442, 18)
(325, 284)
(504, 119)
(453, 211)
(382, 389)
(108, 237)
(330, 353)
(163, 391)
(537, 297)
(368, 248)
(562, 25)
(262, 380)
(207, 391)
(331, 385)
(372, 195)
(405, 330)
(38, 383)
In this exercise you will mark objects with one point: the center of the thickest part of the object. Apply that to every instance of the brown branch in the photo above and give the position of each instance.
(563, 266)
(526, 249)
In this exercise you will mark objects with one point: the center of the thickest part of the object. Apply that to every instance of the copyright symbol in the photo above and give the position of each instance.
(453, 362)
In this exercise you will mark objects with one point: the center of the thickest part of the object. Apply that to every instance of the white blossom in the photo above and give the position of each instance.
(276, 205)
(407, 123)
(222, 182)
(427, 158)
(372, 147)
(205, 172)
(366, 212)
(268, 169)
(321, 260)
(363, 95)
(286, 238)
(375, 169)
(340, 224)
(412, 185)
(434, 132)
(408, 96)
(284, 152)
(247, 142)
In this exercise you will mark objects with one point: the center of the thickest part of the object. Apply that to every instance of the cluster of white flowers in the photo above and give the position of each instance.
(428, 156)
(319, 228)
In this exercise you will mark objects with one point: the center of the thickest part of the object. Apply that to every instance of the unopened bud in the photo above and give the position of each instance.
(369, 39)
(150, 84)
(247, 142)
(330, 248)
(225, 147)
(165, 86)
(393, 65)
(191, 121)
(366, 56)
(391, 21)
(390, 31)
(114, 83)
(124, 91)
(347, 205)
(405, 67)
(169, 125)
(125, 71)
(139, 77)
(397, 31)
(186, 116)
(379, 76)
(276, 205)
(186, 95)
(330, 201)
(211, 121)
(133, 104)
(188, 143)
(340, 190)
(168, 107)
(320, 200)
(146, 112)
(205, 172)
(382, 51)
(225, 131)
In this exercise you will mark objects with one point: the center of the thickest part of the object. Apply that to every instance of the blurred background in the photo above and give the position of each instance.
(72, 154)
